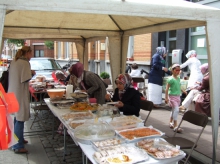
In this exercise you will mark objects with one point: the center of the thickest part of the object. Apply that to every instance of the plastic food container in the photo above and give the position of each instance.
(102, 144)
(93, 132)
(123, 124)
(77, 116)
(159, 148)
(128, 118)
(76, 123)
(136, 134)
(120, 154)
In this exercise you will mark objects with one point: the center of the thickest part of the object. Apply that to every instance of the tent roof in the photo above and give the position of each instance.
(100, 18)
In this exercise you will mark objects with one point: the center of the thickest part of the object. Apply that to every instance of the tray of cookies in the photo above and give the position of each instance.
(159, 148)
(120, 154)
(99, 145)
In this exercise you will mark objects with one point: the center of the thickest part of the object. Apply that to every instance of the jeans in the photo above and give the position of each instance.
(19, 132)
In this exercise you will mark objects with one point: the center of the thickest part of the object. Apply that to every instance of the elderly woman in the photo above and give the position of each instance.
(19, 75)
(90, 82)
(195, 73)
(196, 94)
(156, 74)
(128, 98)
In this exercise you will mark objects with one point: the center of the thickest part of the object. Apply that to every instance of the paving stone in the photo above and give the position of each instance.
(54, 158)
(49, 154)
(49, 150)
(55, 162)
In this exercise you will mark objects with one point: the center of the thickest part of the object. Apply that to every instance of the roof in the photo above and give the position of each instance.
(100, 18)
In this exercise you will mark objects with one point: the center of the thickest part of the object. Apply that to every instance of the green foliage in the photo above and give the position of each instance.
(49, 44)
(18, 42)
(104, 75)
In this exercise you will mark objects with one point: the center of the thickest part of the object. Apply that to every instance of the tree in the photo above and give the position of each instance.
(18, 42)
(49, 44)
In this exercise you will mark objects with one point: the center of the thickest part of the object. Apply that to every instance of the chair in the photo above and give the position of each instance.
(139, 84)
(195, 118)
(38, 107)
(148, 106)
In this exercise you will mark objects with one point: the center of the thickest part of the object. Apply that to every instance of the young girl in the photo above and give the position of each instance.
(174, 91)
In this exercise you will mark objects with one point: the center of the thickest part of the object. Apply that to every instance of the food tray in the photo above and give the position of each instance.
(139, 133)
(159, 148)
(120, 154)
(102, 144)
(75, 123)
(77, 116)
(123, 124)
(128, 118)
(83, 107)
(94, 131)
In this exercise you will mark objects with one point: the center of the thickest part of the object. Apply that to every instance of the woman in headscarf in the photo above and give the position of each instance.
(195, 73)
(200, 95)
(128, 98)
(90, 82)
(156, 74)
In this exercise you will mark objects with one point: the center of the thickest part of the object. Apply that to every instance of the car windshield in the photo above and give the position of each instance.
(44, 64)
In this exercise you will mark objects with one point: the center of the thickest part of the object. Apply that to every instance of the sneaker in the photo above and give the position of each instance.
(182, 108)
(179, 130)
(171, 125)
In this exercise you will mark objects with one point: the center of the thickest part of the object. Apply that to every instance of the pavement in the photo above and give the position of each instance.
(43, 149)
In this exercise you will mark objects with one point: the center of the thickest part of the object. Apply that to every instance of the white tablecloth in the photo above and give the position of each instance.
(88, 149)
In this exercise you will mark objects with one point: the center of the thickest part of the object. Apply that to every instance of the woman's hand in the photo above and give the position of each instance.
(33, 72)
(119, 104)
(108, 97)
(165, 69)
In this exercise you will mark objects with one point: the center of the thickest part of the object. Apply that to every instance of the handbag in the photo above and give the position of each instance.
(4, 80)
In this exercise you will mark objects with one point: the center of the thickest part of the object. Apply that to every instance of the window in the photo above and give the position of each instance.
(172, 34)
(198, 42)
(171, 37)
(39, 53)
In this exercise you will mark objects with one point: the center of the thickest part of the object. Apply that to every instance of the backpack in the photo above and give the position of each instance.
(4, 80)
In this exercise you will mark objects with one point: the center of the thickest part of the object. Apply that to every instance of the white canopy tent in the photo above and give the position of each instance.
(86, 20)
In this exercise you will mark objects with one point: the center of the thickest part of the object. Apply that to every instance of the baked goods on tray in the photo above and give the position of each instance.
(159, 148)
(98, 145)
(77, 116)
(137, 133)
(120, 154)
(83, 106)
(74, 124)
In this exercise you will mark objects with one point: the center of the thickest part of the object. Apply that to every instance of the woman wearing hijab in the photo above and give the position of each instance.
(195, 73)
(156, 74)
(201, 92)
(90, 82)
(128, 98)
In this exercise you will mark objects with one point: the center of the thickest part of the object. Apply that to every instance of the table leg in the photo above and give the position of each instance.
(53, 127)
(83, 157)
(64, 142)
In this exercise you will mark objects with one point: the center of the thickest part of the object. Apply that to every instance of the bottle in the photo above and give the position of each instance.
(69, 90)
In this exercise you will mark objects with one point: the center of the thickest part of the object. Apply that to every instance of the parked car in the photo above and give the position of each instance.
(47, 67)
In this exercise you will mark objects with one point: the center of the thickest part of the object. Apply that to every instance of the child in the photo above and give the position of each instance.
(173, 90)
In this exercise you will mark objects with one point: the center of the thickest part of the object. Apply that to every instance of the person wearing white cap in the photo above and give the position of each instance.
(195, 73)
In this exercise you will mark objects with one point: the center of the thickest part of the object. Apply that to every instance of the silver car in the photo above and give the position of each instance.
(46, 66)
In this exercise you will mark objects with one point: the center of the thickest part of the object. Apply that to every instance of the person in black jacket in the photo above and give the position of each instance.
(128, 98)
